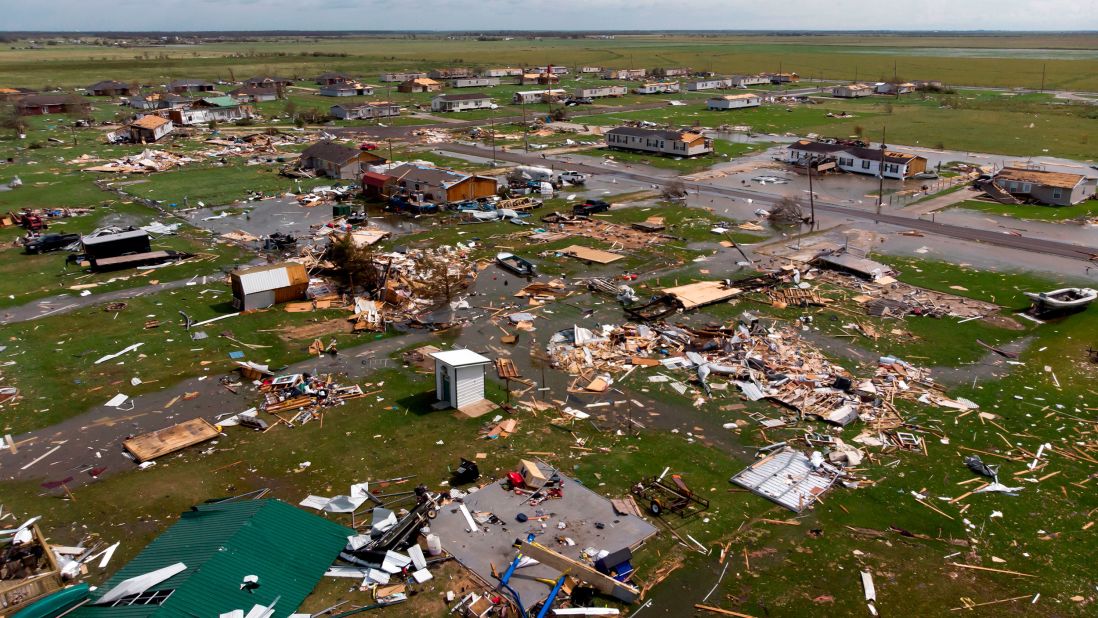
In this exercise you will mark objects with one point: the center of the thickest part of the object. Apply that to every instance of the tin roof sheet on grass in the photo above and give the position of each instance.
(786, 478)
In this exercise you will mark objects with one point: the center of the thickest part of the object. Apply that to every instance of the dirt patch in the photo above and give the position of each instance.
(1003, 321)
(317, 329)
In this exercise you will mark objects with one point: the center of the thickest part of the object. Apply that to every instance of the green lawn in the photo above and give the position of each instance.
(1034, 212)
(723, 150)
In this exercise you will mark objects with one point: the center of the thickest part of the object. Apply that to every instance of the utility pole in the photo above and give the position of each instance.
(811, 194)
(525, 126)
(881, 174)
(390, 140)
(492, 128)
(1043, 66)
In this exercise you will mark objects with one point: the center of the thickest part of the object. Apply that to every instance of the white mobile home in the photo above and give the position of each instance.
(624, 73)
(733, 101)
(852, 91)
(502, 72)
(657, 88)
(707, 84)
(539, 96)
(474, 82)
(743, 81)
(680, 143)
(459, 377)
(856, 159)
(460, 102)
(600, 92)
(374, 109)
(402, 76)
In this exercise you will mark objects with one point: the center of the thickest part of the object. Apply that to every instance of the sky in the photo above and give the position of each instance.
(181, 15)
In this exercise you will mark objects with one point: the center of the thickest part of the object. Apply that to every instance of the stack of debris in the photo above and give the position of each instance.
(298, 398)
(148, 161)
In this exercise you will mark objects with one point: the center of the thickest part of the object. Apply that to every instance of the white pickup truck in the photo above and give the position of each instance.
(575, 178)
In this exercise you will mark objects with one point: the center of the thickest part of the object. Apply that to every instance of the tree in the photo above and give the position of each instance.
(291, 109)
(438, 276)
(787, 210)
(560, 115)
(11, 120)
(674, 189)
(357, 266)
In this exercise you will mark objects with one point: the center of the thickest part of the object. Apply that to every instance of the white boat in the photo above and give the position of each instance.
(1064, 298)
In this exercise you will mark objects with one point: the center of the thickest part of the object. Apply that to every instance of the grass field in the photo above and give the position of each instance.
(807, 566)
(1067, 61)
(1034, 212)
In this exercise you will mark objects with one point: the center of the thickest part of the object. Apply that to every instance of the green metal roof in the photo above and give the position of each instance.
(286, 547)
(221, 101)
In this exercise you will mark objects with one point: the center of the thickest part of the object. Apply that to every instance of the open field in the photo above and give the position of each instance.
(1068, 61)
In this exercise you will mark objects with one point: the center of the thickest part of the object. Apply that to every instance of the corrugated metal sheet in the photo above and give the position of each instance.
(286, 547)
(786, 477)
(263, 280)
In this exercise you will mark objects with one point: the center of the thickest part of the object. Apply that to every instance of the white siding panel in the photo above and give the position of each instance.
(470, 385)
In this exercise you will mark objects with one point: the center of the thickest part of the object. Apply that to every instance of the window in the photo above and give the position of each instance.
(865, 164)
(1057, 194)
(149, 597)
(846, 161)
(1026, 187)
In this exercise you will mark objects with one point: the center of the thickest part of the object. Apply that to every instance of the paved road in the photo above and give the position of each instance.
(1025, 243)
(64, 303)
(94, 438)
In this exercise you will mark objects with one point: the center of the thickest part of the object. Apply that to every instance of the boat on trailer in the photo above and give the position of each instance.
(515, 264)
(1063, 299)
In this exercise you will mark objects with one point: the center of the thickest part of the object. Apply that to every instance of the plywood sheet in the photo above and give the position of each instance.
(591, 255)
(693, 295)
(149, 446)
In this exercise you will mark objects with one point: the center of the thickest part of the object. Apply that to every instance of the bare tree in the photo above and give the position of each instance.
(11, 120)
(674, 189)
(356, 265)
(788, 210)
(439, 277)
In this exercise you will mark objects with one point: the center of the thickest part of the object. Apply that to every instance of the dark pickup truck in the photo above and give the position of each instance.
(50, 242)
(590, 207)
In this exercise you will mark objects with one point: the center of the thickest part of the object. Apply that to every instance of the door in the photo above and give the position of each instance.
(447, 386)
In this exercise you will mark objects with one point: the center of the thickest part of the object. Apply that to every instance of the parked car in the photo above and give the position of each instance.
(572, 177)
(590, 207)
(50, 242)
(367, 146)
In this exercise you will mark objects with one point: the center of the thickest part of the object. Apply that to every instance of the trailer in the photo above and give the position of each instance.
(673, 497)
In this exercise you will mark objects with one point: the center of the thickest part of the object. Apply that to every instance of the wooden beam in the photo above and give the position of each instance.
(723, 612)
(603, 583)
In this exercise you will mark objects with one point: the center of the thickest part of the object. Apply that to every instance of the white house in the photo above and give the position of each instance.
(733, 101)
(852, 91)
(474, 82)
(538, 96)
(556, 70)
(676, 72)
(589, 70)
(601, 91)
(707, 84)
(459, 377)
(346, 89)
(680, 143)
(887, 88)
(460, 102)
(373, 109)
(657, 88)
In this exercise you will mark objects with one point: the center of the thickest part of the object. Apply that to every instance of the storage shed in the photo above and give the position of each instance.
(263, 286)
(113, 245)
(459, 377)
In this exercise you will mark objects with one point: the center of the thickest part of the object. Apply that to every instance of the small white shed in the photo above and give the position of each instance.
(459, 377)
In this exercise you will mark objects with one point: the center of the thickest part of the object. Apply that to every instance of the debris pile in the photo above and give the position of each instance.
(297, 398)
(148, 161)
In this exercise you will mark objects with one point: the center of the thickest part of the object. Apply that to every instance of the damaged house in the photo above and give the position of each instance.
(336, 161)
(441, 186)
(1015, 184)
(460, 102)
(211, 109)
(265, 286)
(149, 129)
(857, 159)
(365, 111)
(224, 557)
(183, 86)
